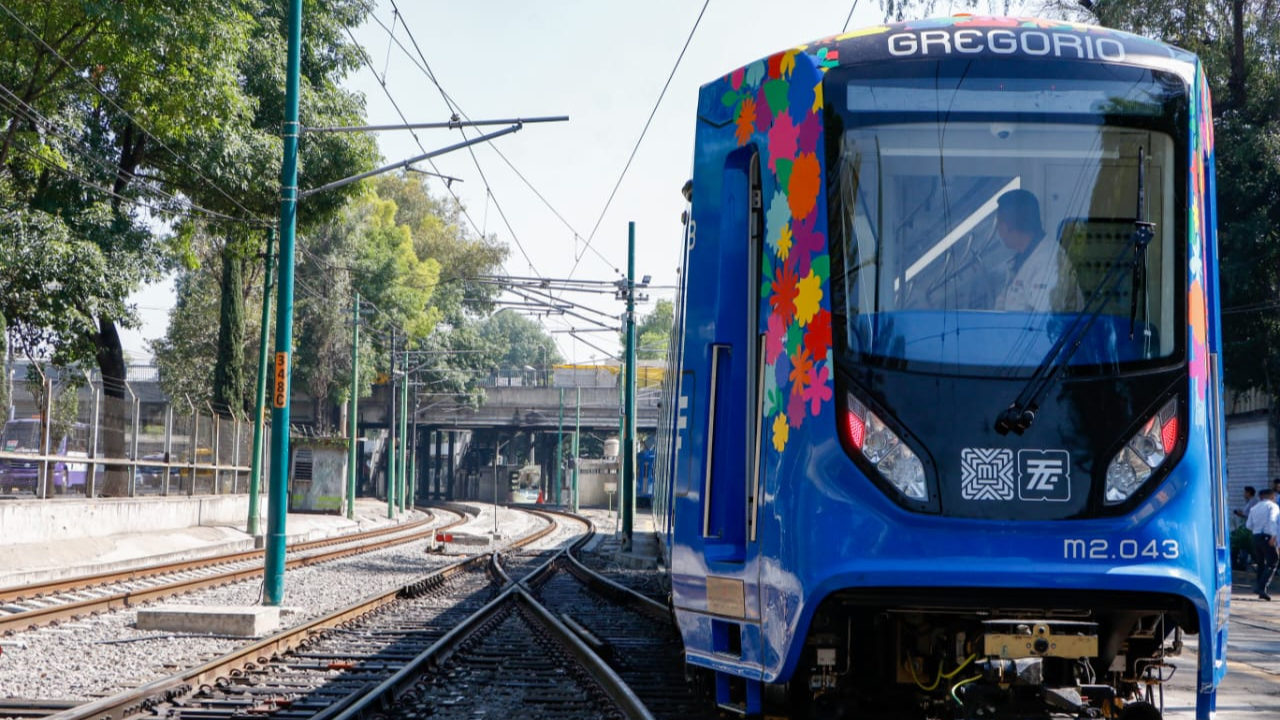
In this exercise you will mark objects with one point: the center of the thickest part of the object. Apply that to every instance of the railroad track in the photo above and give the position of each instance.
(34, 605)
(310, 670)
(461, 640)
(634, 634)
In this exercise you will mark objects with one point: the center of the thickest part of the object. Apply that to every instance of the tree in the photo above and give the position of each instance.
(519, 341)
(653, 332)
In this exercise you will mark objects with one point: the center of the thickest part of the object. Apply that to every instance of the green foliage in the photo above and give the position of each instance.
(518, 341)
(653, 332)
(438, 233)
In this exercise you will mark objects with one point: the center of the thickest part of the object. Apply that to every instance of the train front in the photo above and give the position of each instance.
(978, 377)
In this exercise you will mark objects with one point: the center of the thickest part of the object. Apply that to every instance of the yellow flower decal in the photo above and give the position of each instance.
(874, 30)
(808, 298)
(784, 242)
(789, 62)
(780, 432)
(817, 97)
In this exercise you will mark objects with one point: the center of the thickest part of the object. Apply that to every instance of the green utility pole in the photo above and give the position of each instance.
(391, 436)
(260, 401)
(413, 460)
(405, 500)
(355, 401)
(577, 421)
(559, 448)
(273, 566)
(628, 459)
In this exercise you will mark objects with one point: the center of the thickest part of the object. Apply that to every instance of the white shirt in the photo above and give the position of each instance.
(1264, 518)
(1045, 282)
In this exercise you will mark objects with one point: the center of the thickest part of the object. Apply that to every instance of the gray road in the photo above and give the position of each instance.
(1251, 690)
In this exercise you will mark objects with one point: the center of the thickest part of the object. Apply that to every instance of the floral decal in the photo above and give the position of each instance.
(777, 106)
(1198, 319)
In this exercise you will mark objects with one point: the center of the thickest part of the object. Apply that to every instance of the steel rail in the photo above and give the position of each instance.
(84, 582)
(40, 616)
(144, 697)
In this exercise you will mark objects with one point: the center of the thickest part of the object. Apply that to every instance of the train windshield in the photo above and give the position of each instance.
(975, 215)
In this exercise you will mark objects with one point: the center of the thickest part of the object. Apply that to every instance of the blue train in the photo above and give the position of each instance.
(943, 436)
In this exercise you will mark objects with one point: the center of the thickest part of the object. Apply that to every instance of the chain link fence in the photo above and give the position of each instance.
(79, 435)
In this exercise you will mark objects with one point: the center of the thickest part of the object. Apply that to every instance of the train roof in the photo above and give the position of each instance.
(973, 36)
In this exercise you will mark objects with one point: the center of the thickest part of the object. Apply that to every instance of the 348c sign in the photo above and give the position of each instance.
(1127, 549)
(280, 394)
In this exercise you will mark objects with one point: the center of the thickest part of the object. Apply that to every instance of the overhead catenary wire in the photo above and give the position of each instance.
(387, 91)
(470, 150)
(636, 148)
(846, 20)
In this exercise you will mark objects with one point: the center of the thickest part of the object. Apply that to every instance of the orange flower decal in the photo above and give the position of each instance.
(746, 121)
(806, 178)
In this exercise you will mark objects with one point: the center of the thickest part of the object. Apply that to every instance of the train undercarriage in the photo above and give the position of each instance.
(904, 655)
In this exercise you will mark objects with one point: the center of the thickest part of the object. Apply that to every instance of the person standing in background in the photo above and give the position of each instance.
(1264, 523)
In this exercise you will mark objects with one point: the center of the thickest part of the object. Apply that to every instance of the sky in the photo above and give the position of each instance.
(603, 63)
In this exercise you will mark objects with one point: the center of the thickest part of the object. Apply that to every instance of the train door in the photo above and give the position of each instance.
(730, 485)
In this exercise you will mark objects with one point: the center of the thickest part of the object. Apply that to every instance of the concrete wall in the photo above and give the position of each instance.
(32, 521)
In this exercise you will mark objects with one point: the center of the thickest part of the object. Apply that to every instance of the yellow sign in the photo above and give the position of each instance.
(281, 394)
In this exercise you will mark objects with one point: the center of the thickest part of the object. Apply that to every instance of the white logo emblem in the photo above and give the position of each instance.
(1044, 475)
(986, 474)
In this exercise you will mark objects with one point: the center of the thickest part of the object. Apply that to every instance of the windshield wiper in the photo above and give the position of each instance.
(1022, 411)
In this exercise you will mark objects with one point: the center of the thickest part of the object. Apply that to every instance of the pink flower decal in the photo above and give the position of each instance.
(782, 141)
(819, 390)
(795, 410)
(775, 340)
(735, 78)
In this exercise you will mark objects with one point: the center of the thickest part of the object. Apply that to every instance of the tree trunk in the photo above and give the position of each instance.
(1236, 83)
(117, 408)
(228, 372)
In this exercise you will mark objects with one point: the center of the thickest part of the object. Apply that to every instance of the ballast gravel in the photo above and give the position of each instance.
(99, 656)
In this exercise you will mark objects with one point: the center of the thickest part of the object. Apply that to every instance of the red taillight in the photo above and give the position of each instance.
(855, 428)
(1169, 434)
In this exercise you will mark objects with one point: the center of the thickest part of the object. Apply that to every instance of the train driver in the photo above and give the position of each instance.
(1039, 278)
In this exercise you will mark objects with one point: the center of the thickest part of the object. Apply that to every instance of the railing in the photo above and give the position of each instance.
(73, 436)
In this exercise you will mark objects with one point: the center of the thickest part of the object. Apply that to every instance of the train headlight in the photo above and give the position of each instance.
(894, 460)
(1145, 451)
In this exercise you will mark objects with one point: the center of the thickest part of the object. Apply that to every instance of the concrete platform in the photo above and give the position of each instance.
(251, 621)
(74, 553)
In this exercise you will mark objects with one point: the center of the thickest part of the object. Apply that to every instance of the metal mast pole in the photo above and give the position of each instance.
(260, 400)
(391, 436)
(273, 566)
(628, 459)
(403, 495)
(559, 448)
(577, 422)
(355, 401)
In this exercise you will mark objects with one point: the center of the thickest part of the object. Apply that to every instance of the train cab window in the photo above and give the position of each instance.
(970, 240)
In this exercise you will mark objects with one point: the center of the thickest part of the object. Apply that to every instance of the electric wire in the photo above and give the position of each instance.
(456, 110)
(636, 148)
(5, 9)
(390, 98)
(846, 20)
